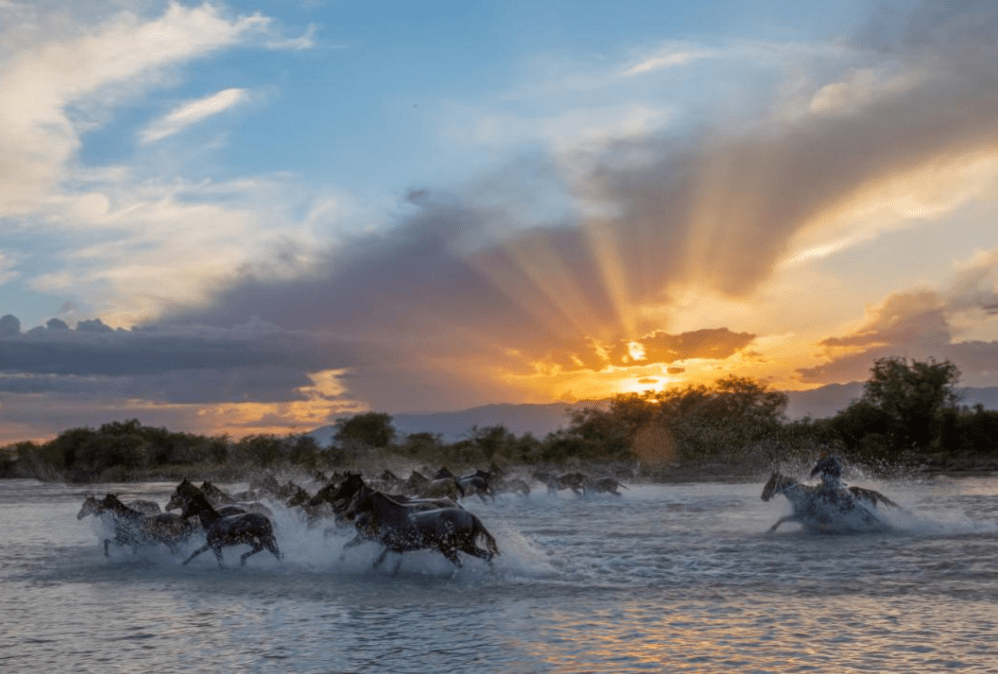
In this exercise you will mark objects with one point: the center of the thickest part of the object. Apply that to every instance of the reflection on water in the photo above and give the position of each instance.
(665, 578)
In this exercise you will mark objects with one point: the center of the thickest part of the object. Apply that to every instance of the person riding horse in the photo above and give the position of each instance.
(832, 488)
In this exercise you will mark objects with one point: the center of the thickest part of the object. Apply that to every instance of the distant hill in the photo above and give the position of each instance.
(542, 419)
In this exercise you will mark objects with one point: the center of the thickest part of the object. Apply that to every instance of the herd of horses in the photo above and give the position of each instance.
(402, 515)
(417, 513)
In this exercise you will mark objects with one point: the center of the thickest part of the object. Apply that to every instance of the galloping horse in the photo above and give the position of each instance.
(401, 529)
(146, 507)
(439, 487)
(247, 528)
(472, 484)
(340, 497)
(134, 528)
(844, 509)
(608, 485)
(573, 480)
(225, 505)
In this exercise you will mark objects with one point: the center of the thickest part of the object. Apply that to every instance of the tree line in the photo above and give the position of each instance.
(908, 415)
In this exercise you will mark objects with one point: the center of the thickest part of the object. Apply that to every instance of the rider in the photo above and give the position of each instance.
(832, 488)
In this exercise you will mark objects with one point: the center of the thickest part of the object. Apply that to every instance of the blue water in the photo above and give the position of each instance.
(679, 578)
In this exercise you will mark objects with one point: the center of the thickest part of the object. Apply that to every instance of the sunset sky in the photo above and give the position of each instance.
(253, 217)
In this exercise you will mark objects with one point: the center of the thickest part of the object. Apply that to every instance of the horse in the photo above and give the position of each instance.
(573, 480)
(514, 485)
(247, 528)
(438, 487)
(472, 484)
(608, 485)
(340, 496)
(215, 495)
(144, 506)
(268, 485)
(400, 529)
(303, 501)
(825, 510)
(134, 528)
(186, 490)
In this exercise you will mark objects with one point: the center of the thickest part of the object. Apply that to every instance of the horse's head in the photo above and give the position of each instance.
(777, 483)
(361, 502)
(91, 506)
(335, 493)
(182, 495)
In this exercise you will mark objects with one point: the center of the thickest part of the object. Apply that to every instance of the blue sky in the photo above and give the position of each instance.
(250, 217)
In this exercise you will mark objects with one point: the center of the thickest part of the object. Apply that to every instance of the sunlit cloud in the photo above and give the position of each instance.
(668, 57)
(192, 112)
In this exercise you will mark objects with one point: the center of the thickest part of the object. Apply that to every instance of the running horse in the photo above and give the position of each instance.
(134, 528)
(572, 480)
(438, 487)
(222, 502)
(473, 484)
(827, 510)
(400, 529)
(247, 528)
(340, 497)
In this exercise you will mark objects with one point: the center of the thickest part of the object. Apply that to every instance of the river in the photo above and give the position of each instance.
(675, 577)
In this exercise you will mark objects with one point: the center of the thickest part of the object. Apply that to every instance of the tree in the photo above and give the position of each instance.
(912, 397)
(372, 429)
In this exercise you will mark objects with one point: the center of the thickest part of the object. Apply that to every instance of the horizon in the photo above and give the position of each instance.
(244, 223)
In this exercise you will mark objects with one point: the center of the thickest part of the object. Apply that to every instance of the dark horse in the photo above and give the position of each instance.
(246, 528)
(134, 528)
(401, 529)
(827, 510)
(341, 495)
(223, 503)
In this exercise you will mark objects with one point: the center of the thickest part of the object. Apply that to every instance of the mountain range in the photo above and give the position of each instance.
(541, 419)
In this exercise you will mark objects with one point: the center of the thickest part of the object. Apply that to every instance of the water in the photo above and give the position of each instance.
(678, 578)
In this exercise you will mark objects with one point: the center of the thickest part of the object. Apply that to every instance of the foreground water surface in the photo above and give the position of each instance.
(665, 578)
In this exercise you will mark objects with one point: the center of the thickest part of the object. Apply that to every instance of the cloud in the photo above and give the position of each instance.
(254, 361)
(667, 57)
(919, 324)
(463, 279)
(52, 86)
(192, 112)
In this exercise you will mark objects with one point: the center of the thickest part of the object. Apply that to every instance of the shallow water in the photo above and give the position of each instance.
(665, 578)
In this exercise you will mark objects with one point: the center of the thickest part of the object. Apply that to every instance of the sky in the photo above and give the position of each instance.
(257, 217)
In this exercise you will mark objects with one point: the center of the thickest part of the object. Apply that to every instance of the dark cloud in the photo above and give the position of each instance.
(189, 364)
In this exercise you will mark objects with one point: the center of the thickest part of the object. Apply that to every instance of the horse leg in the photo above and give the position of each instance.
(197, 553)
(381, 559)
(450, 552)
(471, 549)
(780, 522)
(218, 554)
(271, 545)
(257, 547)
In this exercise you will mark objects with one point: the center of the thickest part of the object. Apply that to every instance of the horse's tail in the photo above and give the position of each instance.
(490, 541)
